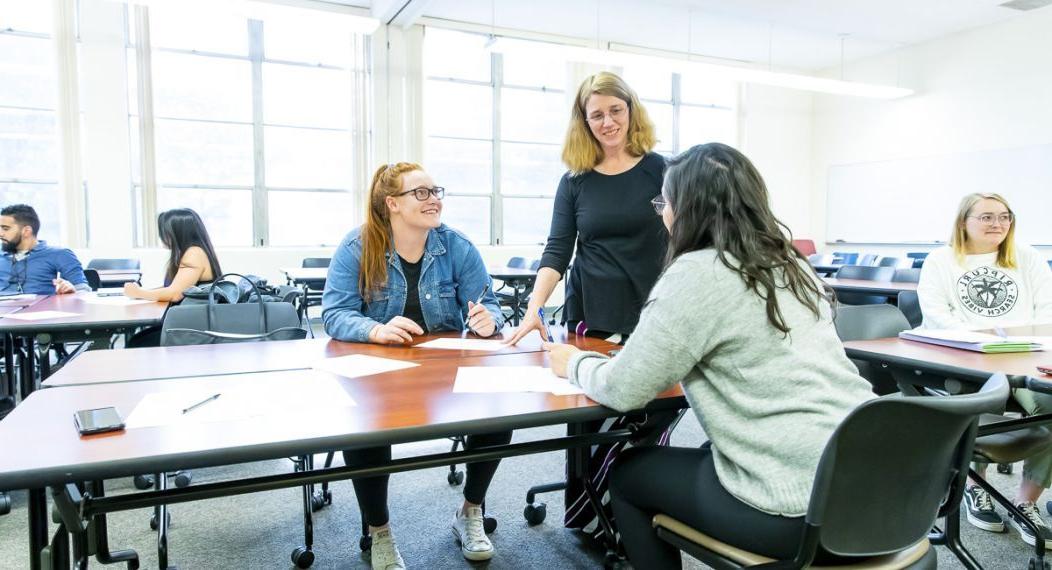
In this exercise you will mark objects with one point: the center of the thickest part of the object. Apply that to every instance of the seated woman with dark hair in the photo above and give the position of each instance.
(743, 324)
(192, 260)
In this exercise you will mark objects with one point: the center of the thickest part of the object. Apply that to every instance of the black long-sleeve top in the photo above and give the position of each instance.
(620, 243)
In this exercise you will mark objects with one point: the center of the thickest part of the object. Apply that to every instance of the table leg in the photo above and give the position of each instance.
(38, 526)
(28, 367)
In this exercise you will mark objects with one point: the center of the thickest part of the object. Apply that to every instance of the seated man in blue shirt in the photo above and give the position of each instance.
(29, 265)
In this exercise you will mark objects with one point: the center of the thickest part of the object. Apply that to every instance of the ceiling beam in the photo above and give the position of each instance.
(402, 13)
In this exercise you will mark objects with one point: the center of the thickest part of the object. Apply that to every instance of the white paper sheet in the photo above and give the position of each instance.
(355, 365)
(463, 344)
(113, 301)
(19, 297)
(38, 315)
(496, 379)
(256, 399)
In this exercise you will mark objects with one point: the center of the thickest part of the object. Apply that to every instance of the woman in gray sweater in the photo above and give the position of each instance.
(741, 322)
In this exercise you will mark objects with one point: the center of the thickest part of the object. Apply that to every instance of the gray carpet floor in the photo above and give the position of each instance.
(260, 530)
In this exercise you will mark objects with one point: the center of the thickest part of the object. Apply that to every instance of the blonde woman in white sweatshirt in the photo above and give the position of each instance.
(984, 280)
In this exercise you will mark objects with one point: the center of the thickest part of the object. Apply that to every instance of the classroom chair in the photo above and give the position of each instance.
(918, 258)
(806, 247)
(897, 262)
(520, 290)
(923, 469)
(866, 273)
(909, 304)
(115, 263)
(311, 291)
(869, 259)
(844, 258)
(906, 275)
(1050, 263)
(866, 322)
(94, 281)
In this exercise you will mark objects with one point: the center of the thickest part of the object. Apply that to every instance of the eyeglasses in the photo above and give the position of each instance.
(659, 204)
(422, 193)
(988, 219)
(615, 113)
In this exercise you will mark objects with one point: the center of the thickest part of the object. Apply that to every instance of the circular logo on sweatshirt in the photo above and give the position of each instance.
(987, 291)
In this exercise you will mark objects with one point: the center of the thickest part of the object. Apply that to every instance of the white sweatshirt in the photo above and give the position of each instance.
(982, 295)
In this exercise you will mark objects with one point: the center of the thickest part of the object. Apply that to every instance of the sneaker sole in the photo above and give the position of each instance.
(1027, 538)
(987, 526)
(471, 554)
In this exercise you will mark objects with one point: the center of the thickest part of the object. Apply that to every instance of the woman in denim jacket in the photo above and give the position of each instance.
(404, 273)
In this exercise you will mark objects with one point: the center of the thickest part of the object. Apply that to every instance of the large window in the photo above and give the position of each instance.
(251, 123)
(494, 125)
(30, 164)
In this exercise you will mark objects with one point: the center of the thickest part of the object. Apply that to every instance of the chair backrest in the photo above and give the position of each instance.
(115, 263)
(866, 272)
(316, 261)
(517, 262)
(535, 265)
(868, 259)
(909, 304)
(866, 322)
(910, 456)
(1050, 263)
(906, 275)
(804, 246)
(845, 258)
(897, 262)
(93, 279)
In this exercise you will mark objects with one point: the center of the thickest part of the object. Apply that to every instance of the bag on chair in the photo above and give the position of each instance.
(214, 322)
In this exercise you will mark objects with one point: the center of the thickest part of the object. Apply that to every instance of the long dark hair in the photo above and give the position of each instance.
(719, 201)
(180, 229)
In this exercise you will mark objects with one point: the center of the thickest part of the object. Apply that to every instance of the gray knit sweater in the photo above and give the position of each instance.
(768, 403)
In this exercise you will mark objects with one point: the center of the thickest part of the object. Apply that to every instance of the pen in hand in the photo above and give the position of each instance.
(201, 403)
(548, 331)
(482, 295)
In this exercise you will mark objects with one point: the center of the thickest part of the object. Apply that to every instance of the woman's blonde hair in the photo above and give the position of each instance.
(376, 231)
(581, 151)
(959, 240)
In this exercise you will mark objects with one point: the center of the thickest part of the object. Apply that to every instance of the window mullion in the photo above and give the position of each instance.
(677, 104)
(496, 204)
(260, 217)
(148, 150)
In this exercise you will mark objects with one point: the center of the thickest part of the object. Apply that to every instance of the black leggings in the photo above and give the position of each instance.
(372, 491)
(681, 483)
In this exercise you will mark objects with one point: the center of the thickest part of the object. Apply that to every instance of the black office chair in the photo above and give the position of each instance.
(115, 263)
(880, 321)
(910, 454)
(918, 258)
(897, 262)
(94, 281)
(520, 290)
(863, 272)
(311, 291)
(909, 304)
(906, 275)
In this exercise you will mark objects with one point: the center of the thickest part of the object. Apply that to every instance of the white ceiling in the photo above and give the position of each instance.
(799, 34)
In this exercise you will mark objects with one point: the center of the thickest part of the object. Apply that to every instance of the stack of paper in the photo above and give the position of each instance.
(493, 379)
(971, 340)
(463, 344)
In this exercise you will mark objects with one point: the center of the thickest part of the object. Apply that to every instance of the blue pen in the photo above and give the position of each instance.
(479, 301)
(540, 313)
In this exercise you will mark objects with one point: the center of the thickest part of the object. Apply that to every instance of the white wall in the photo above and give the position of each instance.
(988, 88)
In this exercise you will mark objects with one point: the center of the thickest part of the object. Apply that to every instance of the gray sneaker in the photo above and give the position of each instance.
(1034, 516)
(981, 511)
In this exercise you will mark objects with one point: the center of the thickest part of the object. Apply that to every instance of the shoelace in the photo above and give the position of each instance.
(982, 499)
(385, 551)
(1032, 513)
(476, 533)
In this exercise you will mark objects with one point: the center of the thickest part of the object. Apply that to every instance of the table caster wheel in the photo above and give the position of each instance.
(153, 520)
(489, 524)
(142, 482)
(302, 557)
(365, 543)
(183, 479)
(455, 477)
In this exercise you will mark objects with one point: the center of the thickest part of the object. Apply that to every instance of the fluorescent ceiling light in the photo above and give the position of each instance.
(261, 10)
(546, 50)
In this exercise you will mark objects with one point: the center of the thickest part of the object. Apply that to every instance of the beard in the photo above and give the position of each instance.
(12, 246)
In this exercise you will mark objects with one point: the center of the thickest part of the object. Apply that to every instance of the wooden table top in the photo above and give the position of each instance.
(868, 286)
(136, 364)
(86, 315)
(395, 407)
(953, 361)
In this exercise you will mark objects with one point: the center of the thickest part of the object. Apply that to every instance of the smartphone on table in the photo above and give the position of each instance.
(99, 420)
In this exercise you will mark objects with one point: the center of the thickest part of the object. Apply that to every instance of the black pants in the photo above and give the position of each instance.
(681, 483)
(371, 492)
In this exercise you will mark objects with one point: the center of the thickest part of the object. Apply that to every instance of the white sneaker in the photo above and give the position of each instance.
(469, 531)
(385, 554)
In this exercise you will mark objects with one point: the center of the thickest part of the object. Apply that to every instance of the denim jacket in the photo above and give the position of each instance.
(451, 275)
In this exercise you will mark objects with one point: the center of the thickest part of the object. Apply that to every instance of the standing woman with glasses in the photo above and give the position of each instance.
(985, 280)
(401, 274)
(602, 207)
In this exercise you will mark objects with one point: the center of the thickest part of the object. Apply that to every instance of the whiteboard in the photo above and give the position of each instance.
(915, 200)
